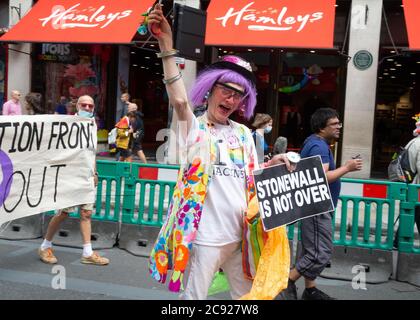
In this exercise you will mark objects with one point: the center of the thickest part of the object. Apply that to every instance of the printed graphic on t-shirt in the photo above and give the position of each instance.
(221, 220)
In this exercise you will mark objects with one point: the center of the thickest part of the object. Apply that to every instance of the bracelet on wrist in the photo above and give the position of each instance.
(169, 53)
(173, 79)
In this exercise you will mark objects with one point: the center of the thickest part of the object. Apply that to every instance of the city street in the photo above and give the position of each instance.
(221, 134)
(24, 276)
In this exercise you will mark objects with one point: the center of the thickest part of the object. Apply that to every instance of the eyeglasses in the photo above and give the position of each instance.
(336, 124)
(87, 105)
(228, 92)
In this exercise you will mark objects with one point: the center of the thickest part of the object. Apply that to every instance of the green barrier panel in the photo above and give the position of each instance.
(407, 224)
(152, 195)
(109, 192)
(112, 175)
(291, 230)
(394, 191)
(363, 238)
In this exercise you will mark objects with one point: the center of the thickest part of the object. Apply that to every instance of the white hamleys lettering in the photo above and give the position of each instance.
(83, 18)
(269, 19)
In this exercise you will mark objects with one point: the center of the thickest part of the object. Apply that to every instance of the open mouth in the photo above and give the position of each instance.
(224, 109)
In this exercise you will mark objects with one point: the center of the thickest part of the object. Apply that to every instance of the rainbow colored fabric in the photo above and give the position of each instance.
(172, 248)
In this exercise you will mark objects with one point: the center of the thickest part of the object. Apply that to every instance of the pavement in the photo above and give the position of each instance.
(24, 277)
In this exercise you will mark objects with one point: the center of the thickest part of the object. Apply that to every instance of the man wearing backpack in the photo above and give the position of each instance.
(413, 148)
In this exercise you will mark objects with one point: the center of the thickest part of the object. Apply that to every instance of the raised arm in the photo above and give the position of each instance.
(172, 78)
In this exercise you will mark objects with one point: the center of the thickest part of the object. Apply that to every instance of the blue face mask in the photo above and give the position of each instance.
(86, 114)
(268, 129)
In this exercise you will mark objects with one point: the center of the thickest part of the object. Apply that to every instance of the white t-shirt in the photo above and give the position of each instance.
(222, 217)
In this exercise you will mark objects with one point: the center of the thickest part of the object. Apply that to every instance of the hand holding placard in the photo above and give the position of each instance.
(285, 196)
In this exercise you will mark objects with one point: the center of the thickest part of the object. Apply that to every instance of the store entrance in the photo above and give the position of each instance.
(148, 92)
(308, 80)
(397, 102)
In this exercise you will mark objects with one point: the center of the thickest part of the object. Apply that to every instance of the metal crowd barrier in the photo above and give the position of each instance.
(107, 213)
(408, 267)
(132, 202)
(145, 203)
(363, 230)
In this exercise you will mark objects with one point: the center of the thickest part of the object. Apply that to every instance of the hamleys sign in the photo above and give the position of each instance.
(78, 16)
(271, 23)
(91, 21)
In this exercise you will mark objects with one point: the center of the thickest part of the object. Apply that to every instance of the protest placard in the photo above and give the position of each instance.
(47, 163)
(285, 197)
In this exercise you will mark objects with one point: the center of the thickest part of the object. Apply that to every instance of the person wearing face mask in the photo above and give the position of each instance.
(211, 205)
(263, 124)
(85, 107)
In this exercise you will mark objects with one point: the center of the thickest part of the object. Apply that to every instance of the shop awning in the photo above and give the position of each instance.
(412, 21)
(84, 21)
(271, 23)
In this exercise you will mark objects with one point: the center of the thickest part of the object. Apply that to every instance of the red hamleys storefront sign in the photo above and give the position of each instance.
(271, 23)
(411, 12)
(85, 21)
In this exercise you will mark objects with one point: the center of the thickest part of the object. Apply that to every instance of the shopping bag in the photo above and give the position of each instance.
(219, 284)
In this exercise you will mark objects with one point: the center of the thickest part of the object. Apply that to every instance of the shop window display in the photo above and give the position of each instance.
(71, 71)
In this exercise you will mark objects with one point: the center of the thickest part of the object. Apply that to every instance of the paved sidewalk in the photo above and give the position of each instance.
(24, 276)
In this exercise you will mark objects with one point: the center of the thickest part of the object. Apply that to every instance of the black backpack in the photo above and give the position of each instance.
(399, 169)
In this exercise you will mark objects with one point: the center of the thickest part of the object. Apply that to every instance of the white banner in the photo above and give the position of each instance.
(47, 163)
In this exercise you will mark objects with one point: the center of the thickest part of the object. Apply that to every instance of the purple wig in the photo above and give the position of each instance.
(206, 80)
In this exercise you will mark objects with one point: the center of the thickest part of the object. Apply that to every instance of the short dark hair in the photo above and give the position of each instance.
(320, 118)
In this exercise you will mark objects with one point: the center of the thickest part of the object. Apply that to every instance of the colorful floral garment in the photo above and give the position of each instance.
(174, 243)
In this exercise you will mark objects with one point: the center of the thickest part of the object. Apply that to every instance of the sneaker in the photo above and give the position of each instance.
(315, 294)
(47, 256)
(290, 293)
(95, 259)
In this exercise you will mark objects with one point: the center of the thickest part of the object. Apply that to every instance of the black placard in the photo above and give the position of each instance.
(285, 197)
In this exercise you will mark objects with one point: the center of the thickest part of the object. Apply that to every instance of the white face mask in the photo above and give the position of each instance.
(268, 129)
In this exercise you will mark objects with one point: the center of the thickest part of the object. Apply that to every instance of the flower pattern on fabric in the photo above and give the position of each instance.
(179, 230)
(161, 261)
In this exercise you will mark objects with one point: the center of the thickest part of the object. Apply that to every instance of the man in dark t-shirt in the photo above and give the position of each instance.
(315, 145)
(316, 231)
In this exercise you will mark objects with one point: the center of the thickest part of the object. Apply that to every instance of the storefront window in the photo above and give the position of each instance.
(67, 70)
(398, 92)
(308, 81)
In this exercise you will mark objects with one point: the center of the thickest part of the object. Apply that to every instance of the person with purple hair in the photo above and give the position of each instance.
(204, 227)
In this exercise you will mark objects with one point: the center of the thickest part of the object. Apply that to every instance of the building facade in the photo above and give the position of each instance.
(369, 75)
